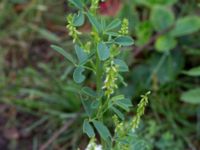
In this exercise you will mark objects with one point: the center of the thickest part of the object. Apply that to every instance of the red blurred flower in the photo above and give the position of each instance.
(110, 7)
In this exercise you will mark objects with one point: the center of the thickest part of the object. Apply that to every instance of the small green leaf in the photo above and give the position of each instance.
(82, 56)
(64, 53)
(77, 3)
(124, 104)
(103, 51)
(88, 91)
(102, 130)
(78, 74)
(95, 104)
(191, 96)
(122, 66)
(165, 43)
(118, 112)
(193, 72)
(79, 19)
(118, 97)
(87, 107)
(161, 18)
(124, 41)
(186, 25)
(88, 129)
(114, 24)
(94, 22)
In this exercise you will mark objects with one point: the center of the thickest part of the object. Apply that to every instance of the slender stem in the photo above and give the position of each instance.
(98, 74)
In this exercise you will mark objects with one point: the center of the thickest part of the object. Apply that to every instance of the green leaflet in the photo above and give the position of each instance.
(102, 130)
(79, 19)
(186, 25)
(193, 72)
(114, 24)
(165, 43)
(77, 3)
(161, 18)
(94, 22)
(82, 56)
(88, 129)
(124, 41)
(122, 66)
(192, 96)
(103, 51)
(78, 74)
(64, 53)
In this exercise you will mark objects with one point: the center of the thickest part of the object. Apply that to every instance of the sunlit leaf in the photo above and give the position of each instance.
(191, 96)
(165, 43)
(193, 72)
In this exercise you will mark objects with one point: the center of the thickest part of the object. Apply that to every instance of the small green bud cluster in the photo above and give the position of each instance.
(140, 111)
(71, 28)
(110, 81)
(124, 27)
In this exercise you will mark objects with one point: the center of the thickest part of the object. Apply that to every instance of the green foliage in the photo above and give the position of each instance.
(191, 96)
(88, 129)
(165, 43)
(193, 72)
(124, 41)
(78, 75)
(161, 18)
(164, 59)
(79, 19)
(186, 25)
(103, 51)
(102, 58)
(102, 129)
(64, 53)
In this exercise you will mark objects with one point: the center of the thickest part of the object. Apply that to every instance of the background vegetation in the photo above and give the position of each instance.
(40, 106)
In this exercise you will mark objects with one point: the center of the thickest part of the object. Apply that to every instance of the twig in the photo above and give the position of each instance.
(57, 134)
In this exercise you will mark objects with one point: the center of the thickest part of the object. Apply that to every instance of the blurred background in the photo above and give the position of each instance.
(39, 102)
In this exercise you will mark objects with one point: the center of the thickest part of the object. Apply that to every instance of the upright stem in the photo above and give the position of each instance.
(98, 75)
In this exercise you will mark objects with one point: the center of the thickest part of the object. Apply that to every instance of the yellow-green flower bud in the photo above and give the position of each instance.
(71, 28)
(124, 27)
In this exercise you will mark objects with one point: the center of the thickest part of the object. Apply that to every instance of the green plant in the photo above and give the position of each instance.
(101, 56)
